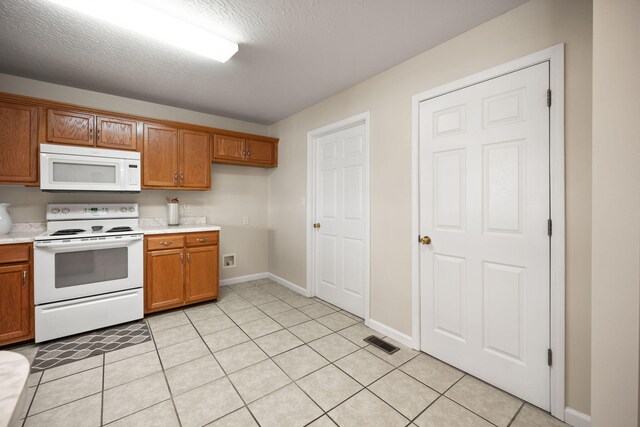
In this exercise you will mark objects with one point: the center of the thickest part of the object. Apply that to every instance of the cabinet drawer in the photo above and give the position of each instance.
(14, 253)
(165, 242)
(202, 239)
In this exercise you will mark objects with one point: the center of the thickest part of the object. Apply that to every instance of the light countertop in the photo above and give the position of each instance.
(23, 232)
(182, 228)
(187, 225)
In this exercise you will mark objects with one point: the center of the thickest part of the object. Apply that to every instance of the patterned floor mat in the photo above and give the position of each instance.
(90, 344)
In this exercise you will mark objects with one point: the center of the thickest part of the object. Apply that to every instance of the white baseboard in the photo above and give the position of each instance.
(287, 284)
(575, 418)
(240, 279)
(390, 332)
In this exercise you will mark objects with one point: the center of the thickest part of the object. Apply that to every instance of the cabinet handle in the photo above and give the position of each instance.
(182, 176)
(166, 243)
(90, 133)
(202, 239)
(248, 153)
(189, 258)
(24, 279)
(175, 177)
(181, 258)
(98, 134)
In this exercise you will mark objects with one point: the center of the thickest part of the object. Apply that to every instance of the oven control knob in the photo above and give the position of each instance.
(123, 210)
(65, 210)
(132, 209)
(55, 210)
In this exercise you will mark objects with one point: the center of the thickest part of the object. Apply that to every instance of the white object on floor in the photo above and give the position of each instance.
(14, 373)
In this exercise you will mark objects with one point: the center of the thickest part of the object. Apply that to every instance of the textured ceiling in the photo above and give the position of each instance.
(292, 53)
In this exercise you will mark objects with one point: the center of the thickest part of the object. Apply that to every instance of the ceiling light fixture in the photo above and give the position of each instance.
(141, 18)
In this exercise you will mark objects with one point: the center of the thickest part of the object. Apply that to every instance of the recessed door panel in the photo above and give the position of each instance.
(504, 173)
(449, 189)
(449, 296)
(353, 192)
(504, 299)
(450, 121)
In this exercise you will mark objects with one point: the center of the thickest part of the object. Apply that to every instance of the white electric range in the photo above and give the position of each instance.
(88, 269)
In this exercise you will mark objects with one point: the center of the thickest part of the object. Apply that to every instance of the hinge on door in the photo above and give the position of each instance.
(549, 357)
(549, 227)
(548, 97)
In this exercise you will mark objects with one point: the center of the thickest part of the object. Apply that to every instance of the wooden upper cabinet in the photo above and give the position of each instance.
(261, 152)
(228, 148)
(160, 156)
(70, 127)
(236, 150)
(195, 166)
(116, 133)
(18, 144)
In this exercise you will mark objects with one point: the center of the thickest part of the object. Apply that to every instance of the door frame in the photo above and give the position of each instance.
(312, 136)
(555, 56)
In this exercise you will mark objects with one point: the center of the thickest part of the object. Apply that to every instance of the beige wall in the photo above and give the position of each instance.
(236, 191)
(616, 213)
(534, 26)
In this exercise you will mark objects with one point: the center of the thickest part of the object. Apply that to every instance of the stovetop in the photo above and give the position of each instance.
(90, 221)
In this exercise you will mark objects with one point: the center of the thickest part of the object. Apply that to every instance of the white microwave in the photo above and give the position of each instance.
(68, 168)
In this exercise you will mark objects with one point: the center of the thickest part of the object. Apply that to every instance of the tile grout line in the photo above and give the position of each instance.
(516, 414)
(164, 374)
(102, 391)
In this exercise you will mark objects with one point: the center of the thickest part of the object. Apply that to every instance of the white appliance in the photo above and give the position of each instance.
(69, 168)
(88, 269)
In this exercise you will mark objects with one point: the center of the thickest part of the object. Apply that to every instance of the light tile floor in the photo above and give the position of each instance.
(264, 355)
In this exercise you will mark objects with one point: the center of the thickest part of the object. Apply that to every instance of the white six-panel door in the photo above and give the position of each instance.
(484, 202)
(340, 200)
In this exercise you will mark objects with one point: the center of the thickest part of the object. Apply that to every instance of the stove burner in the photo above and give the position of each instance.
(118, 229)
(68, 232)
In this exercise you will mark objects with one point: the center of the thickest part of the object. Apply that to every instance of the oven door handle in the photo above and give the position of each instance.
(104, 244)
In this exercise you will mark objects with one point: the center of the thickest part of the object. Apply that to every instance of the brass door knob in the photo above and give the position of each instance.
(426, 240)
(316, 225)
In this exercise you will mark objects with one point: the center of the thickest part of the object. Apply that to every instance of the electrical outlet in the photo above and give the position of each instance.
(186, 207)
(245, 220)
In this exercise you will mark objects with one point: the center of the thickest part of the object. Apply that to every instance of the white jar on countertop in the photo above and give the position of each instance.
(5, 219)
(173, 213)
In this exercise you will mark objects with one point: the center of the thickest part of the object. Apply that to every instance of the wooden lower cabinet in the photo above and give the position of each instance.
(165, 270)
(186, 273)
(16, 293)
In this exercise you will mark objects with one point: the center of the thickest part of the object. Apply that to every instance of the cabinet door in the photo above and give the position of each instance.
(15, 307)
(165, 279)
(195, 164)
(18, 144)
(70, 127)
(261, 153)
(160, 156)
(202, 273)
(117, 133)
(228, 149)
